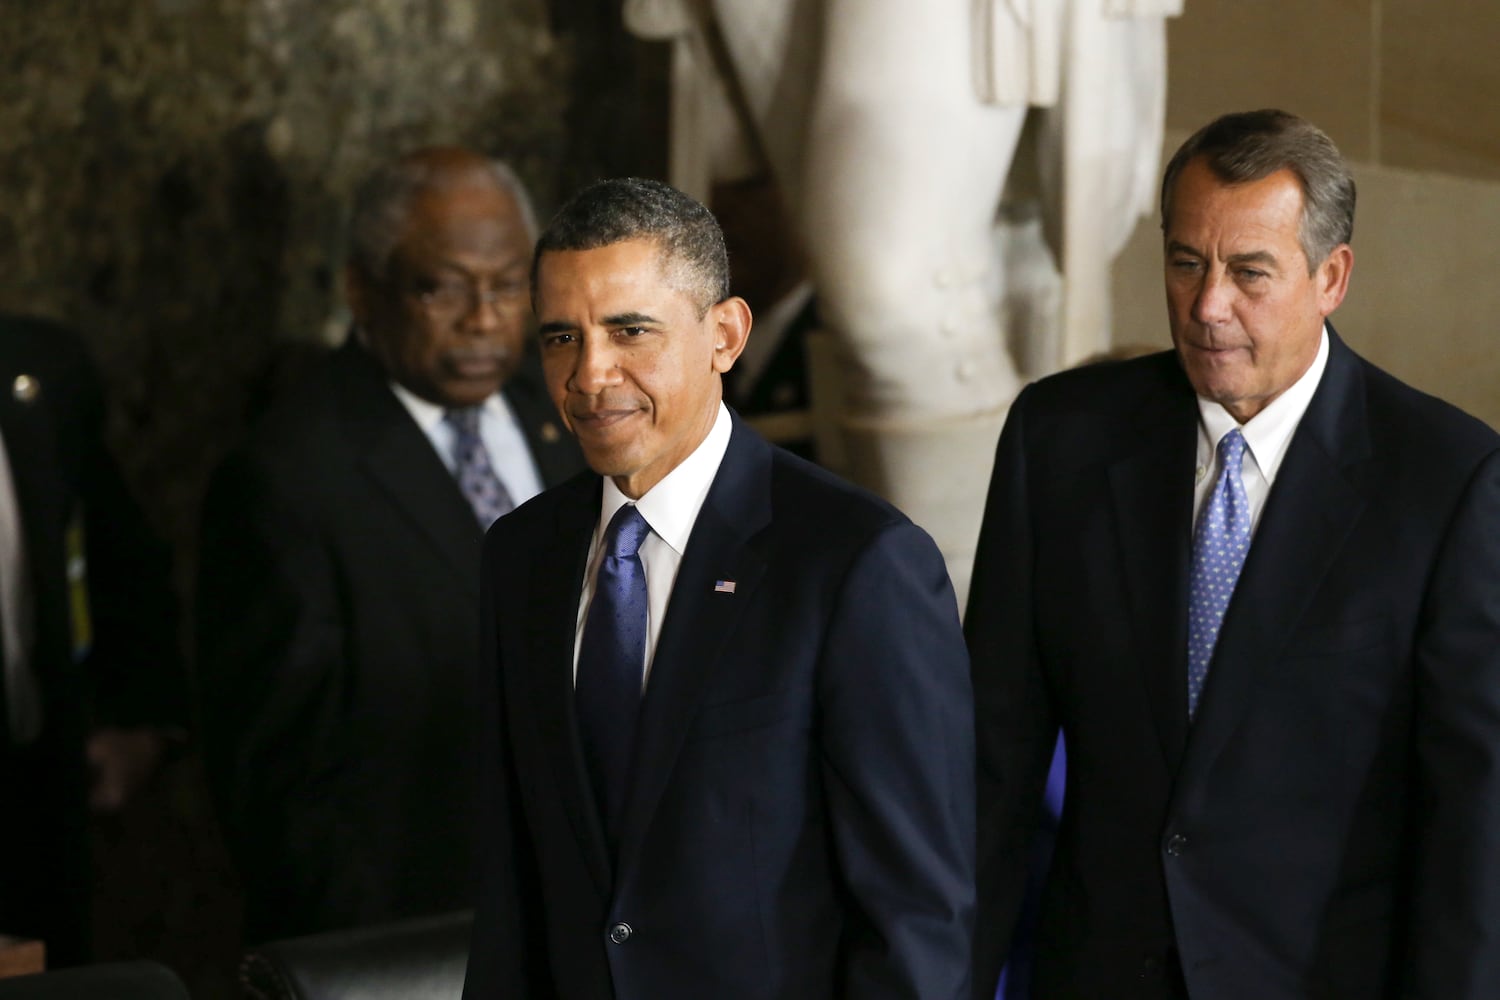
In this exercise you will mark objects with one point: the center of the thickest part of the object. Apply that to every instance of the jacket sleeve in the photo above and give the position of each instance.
(273, 673)
(506, 957)
(1453, 947)
(897, 751)
(1016, 725)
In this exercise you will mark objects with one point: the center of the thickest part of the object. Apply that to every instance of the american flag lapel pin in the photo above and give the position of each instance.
(723, 586)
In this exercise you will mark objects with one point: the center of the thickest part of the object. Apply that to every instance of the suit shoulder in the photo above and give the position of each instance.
(1081, 417)
(1106, 390)
(298, 445)
(823, 505)
(306, 420)
(1432, 431)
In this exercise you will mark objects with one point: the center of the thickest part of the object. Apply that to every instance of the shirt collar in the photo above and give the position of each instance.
(671, 506)
(1269, 433)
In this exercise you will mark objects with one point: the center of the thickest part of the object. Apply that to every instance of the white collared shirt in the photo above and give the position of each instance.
(499, 429)
(1267, 436)
(671, 509)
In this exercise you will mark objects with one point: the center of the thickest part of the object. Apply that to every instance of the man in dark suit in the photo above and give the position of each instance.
(727, 719)
(91, 684)
(339, 589)
(1257, 583)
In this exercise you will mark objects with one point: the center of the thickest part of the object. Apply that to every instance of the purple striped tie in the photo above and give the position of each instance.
(471, 467)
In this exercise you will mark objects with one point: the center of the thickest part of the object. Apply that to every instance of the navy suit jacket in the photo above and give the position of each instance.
(800, 823)
(337, 625)
(1329, 825)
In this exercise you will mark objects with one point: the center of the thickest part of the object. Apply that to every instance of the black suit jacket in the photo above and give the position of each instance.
(1329, 825)
(105, 648)
(337, 626)
(800, 824)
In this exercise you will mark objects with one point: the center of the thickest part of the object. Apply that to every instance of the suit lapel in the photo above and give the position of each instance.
(1153, 515)
(1313, 506)
(699, 621)
(401, 463)
(557, 574)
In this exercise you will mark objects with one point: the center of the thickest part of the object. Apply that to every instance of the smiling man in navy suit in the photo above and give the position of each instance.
(726, 703)
(1256, 581)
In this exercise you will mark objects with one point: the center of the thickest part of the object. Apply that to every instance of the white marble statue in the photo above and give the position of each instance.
(890, 127)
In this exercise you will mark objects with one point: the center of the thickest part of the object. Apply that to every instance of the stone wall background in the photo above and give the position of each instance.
(173, 182)
(174, 175)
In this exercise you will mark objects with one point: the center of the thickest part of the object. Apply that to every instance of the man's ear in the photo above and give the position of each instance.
(1333, 277)
(730, 321)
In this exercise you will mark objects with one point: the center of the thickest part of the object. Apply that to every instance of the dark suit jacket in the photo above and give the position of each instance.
(800, 823)
(111, 659)
(1329, 825)
(337, 643)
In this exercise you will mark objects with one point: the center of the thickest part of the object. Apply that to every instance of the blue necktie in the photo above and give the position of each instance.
(471, 467)
(1220, 542)
(611, 660)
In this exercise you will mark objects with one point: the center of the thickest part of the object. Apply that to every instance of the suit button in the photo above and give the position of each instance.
(620, 933)
(1176, 844)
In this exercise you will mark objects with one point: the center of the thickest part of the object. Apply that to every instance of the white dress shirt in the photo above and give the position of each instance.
(1267, 436)
(671, 509)
(500, 431)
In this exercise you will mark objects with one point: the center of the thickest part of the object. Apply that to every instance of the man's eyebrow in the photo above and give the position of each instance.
(556, 326)
(514, 262)
(630, 319)
(1264, 257)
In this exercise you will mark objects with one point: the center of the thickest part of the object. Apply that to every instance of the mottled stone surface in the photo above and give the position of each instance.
(173, 177)
(173, 181)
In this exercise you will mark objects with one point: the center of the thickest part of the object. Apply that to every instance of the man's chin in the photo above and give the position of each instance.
(605, 461)
(469, 391)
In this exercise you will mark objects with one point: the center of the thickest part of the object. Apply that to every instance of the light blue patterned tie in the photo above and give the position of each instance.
(471, 467)
(1220, 542)
(611, 659)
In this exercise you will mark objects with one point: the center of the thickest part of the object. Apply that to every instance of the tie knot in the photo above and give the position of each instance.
(464, 420)
(626, 531)
(1232, 450)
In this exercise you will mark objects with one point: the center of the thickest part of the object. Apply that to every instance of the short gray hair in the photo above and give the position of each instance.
(1251, 145)
(634, 208)
(384, 198)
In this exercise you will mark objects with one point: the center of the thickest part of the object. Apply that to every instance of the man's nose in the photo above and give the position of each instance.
(483, 309)
(1213, 304)
(597, 366)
